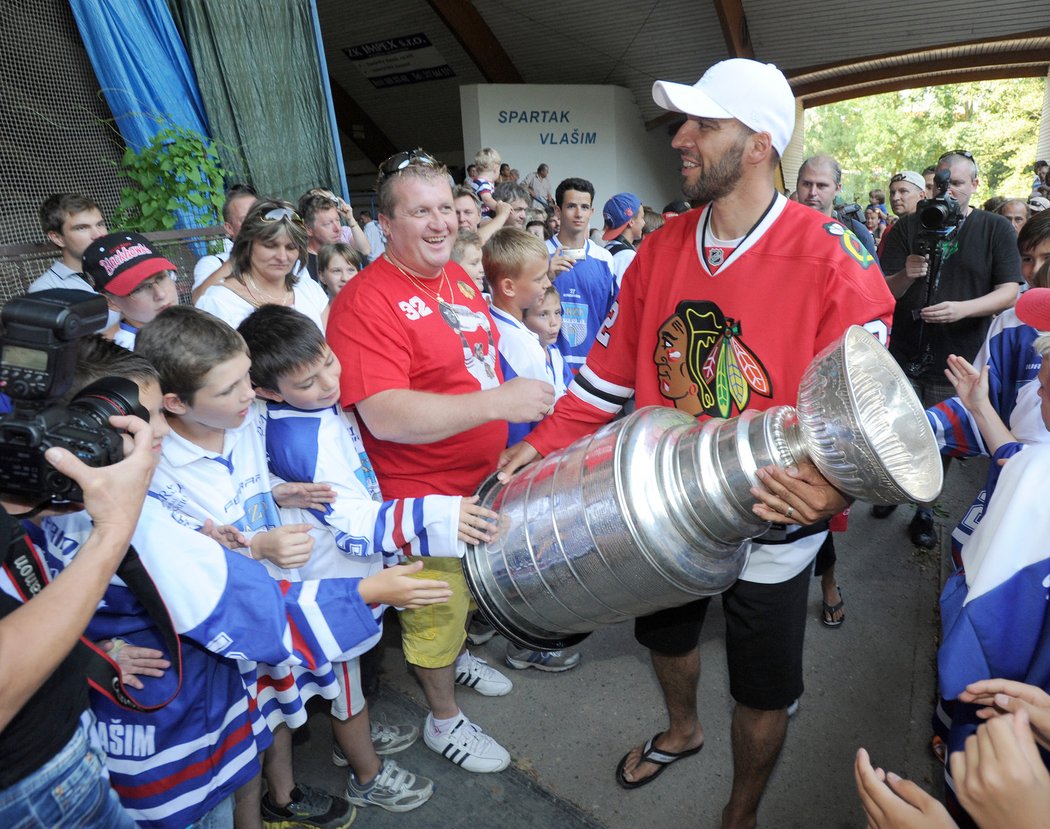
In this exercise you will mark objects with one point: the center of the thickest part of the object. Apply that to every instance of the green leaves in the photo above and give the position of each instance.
(177, 172)
(875, 137)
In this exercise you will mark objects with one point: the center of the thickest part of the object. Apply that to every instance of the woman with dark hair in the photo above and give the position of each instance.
(267, 257)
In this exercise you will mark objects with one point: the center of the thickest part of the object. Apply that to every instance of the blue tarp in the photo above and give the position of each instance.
(142, 67)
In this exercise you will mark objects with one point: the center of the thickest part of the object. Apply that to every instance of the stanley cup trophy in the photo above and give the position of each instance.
(654, 510)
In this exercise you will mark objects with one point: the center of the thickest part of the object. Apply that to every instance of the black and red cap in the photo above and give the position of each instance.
(120, 262)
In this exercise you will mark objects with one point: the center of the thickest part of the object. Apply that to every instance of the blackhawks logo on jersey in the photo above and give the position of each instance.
(703, 366)
(850, 243)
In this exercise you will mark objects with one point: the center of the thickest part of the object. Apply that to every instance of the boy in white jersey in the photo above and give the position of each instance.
(137, 282)
(213, 474)
(545, 322)
(310, 438)
(516, 267)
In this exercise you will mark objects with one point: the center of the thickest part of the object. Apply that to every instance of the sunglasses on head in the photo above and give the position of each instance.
(407, 158)
(280, 213)
(965, 154)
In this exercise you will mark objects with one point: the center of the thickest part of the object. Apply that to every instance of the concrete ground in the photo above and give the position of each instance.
(869, 683)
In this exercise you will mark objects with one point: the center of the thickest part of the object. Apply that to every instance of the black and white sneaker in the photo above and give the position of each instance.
(466, 745)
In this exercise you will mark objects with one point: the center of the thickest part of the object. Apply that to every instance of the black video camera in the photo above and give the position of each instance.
(940, 215)
(38, 358)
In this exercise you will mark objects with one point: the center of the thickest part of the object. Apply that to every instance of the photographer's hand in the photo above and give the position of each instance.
(49, 624)
(943, 312)
(915, 268)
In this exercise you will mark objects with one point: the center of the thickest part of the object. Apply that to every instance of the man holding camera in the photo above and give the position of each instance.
(49, 773)
(951, 268)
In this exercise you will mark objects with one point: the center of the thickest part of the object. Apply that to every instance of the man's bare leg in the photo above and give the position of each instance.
(678, 676)
(757, 737)
(439, 687)
(247, 803)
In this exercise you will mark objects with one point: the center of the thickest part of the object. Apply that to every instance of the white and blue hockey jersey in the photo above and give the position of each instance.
(520, 355)
(358, 533)
(588, 291)
(234, 487)
(171, 766)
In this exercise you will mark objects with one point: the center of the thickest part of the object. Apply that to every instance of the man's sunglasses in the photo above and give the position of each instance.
(407, 158)
(965, 154)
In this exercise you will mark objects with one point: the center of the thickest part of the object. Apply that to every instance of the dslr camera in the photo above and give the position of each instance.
(38, 358)
(938, 216)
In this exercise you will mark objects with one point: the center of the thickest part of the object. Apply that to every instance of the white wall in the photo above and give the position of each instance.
(593, 132)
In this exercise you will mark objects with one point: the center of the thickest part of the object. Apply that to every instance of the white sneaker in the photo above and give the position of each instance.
(477, 674)
(467, 746)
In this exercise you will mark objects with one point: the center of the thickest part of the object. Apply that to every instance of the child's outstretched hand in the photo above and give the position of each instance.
(226, 534)
(970, 384)
(304, 495)
(476, 523)
(398, 586)
(288, 546)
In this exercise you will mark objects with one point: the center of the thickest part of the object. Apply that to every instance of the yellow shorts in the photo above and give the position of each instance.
(433, 636)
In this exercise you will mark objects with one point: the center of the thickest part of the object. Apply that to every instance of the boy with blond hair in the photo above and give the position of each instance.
(466, 252)
(515, 264)
(487, 161)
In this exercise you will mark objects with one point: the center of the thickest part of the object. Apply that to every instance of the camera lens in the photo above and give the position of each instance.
(107, 397)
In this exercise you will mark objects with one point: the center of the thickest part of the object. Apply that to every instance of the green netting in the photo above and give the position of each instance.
(259, 74)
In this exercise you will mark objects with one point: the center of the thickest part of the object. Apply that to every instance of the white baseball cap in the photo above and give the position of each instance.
(913, 178)
(756, 94)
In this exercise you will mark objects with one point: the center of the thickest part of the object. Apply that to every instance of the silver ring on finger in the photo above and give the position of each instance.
(790, 512)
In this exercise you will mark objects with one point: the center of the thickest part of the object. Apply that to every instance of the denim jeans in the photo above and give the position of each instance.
(220, 817)
(68, 791)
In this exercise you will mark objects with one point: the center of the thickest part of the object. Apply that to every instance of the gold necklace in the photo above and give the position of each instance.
(435, 294)
(254, 289)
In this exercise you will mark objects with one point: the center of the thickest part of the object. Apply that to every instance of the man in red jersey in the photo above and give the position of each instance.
(748, 287)
(419, 356)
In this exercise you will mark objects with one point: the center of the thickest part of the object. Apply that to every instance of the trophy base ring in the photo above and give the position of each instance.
(554, 642)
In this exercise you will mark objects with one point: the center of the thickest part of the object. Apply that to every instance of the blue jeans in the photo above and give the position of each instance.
(221, 817)
(68, 791)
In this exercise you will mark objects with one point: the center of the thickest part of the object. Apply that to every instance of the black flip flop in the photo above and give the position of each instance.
(661, 758)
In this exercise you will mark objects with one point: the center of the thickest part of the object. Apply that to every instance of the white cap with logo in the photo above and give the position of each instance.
(756, 94)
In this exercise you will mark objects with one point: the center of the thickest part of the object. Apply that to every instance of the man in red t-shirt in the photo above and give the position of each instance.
(721, 310)
(419, 355)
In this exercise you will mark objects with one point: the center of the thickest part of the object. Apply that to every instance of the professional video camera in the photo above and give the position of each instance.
(38, 357)
(939, 219)
(940, 215)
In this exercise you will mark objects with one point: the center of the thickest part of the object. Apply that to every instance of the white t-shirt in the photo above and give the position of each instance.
(207, 265)
(310, 299)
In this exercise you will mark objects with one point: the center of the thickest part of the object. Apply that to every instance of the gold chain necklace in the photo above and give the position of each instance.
(435, 294)
(254, 289)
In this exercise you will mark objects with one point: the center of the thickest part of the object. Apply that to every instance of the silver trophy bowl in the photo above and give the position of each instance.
(654, 510)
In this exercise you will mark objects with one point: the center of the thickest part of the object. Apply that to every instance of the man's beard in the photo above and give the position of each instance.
(718, 180)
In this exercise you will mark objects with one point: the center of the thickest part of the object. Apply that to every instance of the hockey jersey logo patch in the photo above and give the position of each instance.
(703, 365)
(574, 322)
(850, 243)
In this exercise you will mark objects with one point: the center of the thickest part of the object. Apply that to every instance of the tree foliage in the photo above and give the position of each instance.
(875, 137)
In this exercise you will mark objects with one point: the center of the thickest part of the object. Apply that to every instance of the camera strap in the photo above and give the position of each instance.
(27, 572)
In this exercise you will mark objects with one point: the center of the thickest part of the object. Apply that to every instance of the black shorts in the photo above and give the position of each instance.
(765, 628)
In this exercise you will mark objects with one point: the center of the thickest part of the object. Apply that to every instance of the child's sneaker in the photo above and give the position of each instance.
(475, 673)
(386, 739)
(553, 661)
(310, 808)
(466, 745)
(393, 789)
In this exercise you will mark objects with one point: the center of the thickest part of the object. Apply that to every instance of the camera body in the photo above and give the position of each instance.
(940, 215)
(38, 358)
